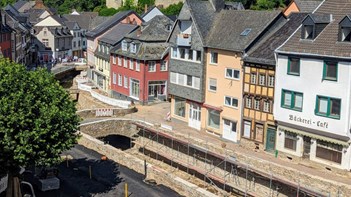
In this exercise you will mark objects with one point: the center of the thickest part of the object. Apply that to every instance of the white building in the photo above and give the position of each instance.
(313, 88)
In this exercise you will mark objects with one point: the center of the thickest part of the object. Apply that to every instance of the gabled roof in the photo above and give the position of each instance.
(227, 31)
(19, 4)
(115, 19)
(307, 6)
(116, 34)
(70, 24)
(320, 18)
(146, 51)
(326, 43)
(263, 51)
(153, 30)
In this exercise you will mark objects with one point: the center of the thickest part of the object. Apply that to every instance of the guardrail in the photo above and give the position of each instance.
(102, 98)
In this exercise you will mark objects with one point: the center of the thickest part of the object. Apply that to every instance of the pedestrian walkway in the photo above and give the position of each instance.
(157, 114)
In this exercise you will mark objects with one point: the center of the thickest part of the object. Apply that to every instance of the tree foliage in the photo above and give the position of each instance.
(38, 119)
(173, 9)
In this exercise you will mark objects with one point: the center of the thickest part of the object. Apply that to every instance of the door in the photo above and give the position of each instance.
(195, 116)
(229, 130)
(270, 140)
(247, 129)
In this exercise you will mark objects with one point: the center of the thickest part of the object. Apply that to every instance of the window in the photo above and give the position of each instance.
(328, 151)
(83, 43)
(119, 61)
(119, 80)
(173, 77)
(270, 81)
(230, 101)
(190, 54)
(179, 107)
(245, 32)
(163, 66)
(257, 104)
(114, 78)
(124, 46)
(152, 66)
(292, 100)
(346, 34)
(125, 63)
(293, 66)
(328, 107)
(131, 64)
(262, 79)
(134, 88)
(212, 84)
(45, 33)
(330, 71)
(133, 48)
(214, 58)
(232, 73)
(290, 141)
(99, 48)
(46, 42)
(137, 66)
(182, 53)
(253, 78)
(107, 50)
(174, 52)
(78, 43)
(189, 80)
(185, 80)
(259, 132)
(125, 81)
(213, 118)
(231, 125)
(248, 102)
(103, 48)
(308, 32)
(114, 59)
(266, 106)
(198, 56)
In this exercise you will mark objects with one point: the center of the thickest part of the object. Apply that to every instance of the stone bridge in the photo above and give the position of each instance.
(113, 126)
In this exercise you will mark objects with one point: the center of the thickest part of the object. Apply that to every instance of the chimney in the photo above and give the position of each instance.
(145, 8)
(39, 4)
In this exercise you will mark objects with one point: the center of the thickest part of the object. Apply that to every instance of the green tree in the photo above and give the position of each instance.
(38, 119)
(173, 9)
(268, 4)
(107, 11)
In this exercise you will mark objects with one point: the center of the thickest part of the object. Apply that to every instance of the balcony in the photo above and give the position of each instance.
(184, 40)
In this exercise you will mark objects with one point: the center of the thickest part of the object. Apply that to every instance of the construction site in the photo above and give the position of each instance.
(202, 164)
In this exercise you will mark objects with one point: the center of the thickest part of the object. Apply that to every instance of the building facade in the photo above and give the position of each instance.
(312, 97)
(140, 63)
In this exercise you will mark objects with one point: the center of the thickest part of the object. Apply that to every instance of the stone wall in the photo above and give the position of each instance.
(166, 3)
(109, 127)
(182, 186)
(91, 113)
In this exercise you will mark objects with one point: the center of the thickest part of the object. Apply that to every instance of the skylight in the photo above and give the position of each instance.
(245, 32)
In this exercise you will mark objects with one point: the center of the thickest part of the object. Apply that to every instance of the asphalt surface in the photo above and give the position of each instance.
(108, 178)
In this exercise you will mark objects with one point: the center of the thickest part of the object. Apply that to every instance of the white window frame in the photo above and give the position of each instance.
(270, 82)
(262, 79)
(267, 106)
(214, 84)
(114, 59)
(124, 45)
(119, 80)
(131, 64)
(259, 104)
(153, 66)
(125, 82)
(248, 102)
(137, 65)
(231, 102)
(253, 78)
(114, 78)
(125, 63)
(133, 48)
(233, 71)
(119, 61)
(164, 65)
(212, 53)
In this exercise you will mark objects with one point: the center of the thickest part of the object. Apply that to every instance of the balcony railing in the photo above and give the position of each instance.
(184, 40)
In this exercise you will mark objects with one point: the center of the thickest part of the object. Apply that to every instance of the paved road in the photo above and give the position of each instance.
(108, 178)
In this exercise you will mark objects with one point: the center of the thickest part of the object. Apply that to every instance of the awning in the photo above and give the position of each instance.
(212, 107)
(314, 136)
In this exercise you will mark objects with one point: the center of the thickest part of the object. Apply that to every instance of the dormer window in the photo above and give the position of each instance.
(107, 50)
(124, 46)
(346, 34)
(308, 32)
(133, 48)
(103, 49)
(99, 47)
(169, 27)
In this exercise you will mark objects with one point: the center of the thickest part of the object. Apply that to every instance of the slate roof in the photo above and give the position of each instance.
(326, 43)
(153, 30)
(82, 21)
(146, 51)
(59, 19)
(19, 4)
(70, 24)
(34, 14)
(98, 21)
(230, 24)
(203, 14)
(117, 33)
(115, 19)
(307, 5)
(263, 51)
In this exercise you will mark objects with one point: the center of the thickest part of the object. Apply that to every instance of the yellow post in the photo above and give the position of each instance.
(90, 172)
(126, 190)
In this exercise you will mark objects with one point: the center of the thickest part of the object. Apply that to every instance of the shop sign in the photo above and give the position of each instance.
(309, 121)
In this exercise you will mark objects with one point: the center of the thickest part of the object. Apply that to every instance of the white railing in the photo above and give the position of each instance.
(102, 98)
